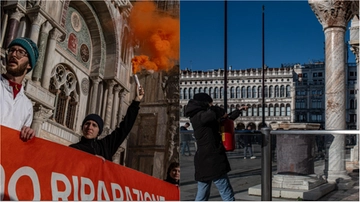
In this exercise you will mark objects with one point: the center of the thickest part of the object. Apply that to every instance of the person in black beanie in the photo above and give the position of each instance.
(211, 163)
(92, 127)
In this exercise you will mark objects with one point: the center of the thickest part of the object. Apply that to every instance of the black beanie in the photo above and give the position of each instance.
(203, 97)
(97, 119)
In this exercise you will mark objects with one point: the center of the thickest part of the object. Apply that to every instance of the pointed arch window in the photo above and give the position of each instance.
(63, 84)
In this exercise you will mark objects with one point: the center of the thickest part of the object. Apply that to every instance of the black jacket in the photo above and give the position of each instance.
(108, 145)
(210, 158)
(172, 180)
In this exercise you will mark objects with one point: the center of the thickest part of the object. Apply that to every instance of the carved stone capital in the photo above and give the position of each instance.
(46, 27)
(95, 79)
(17, 15)
(41, 113)
(37, 18)
(111, 83)
(117, 88)
(333, 13)
(123, 93)
(55, 34)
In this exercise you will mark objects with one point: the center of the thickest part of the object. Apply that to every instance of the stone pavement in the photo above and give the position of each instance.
(246, 173)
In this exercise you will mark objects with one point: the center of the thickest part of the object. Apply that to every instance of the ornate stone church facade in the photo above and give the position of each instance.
(84, 67)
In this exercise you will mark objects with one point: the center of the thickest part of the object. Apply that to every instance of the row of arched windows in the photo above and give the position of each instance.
(237, 92)
(256, 110)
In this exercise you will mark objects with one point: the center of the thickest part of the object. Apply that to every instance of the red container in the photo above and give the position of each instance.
(228, 134)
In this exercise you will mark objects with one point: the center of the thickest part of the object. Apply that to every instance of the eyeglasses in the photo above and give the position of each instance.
(19, 52)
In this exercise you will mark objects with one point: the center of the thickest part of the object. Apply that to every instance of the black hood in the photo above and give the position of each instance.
(194, 107)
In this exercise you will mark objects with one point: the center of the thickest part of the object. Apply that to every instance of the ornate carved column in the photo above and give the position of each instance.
(334, 16)
(41, 114)
(48, 65)
(44, 35)
(94, 95)
(13, 26)
(109, 104)
(114, 119)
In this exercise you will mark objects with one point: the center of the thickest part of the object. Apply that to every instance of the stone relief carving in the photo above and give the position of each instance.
(147, 129)
(76, 22)
(84, 52)
(41, 112)
(170, 86)
(34, 3)
(85, 86)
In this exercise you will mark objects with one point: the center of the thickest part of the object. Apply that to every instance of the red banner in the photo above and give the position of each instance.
(43, 170)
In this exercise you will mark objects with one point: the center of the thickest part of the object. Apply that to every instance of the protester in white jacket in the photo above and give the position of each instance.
(16, 109)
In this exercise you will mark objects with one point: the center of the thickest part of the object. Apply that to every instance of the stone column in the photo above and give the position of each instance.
(66, 109)
(44, 35)
(37, 19)
(48, 61)
(292, 104)
(109, 104)
(94, 96)
(41, 115)
(57, 94)
(3, 28)
(334, 17)
(114, 119)
(13, 26)
(123, 94)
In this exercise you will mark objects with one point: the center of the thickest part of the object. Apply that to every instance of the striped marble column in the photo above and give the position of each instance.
(109, 104)
(334, 17)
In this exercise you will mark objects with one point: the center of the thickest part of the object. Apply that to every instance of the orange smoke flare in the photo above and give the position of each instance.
(159, 37)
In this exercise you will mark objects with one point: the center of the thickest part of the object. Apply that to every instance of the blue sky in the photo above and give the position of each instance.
(292, 34)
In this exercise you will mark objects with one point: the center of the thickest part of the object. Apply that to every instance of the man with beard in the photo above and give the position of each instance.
(16, 108)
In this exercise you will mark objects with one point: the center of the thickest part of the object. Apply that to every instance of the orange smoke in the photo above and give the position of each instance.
(159, 37)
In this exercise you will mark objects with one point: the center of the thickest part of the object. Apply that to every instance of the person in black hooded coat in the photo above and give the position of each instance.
(211, 163)
(92, 127)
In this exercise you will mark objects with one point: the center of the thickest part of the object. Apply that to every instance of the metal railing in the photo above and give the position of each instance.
(266, 162)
